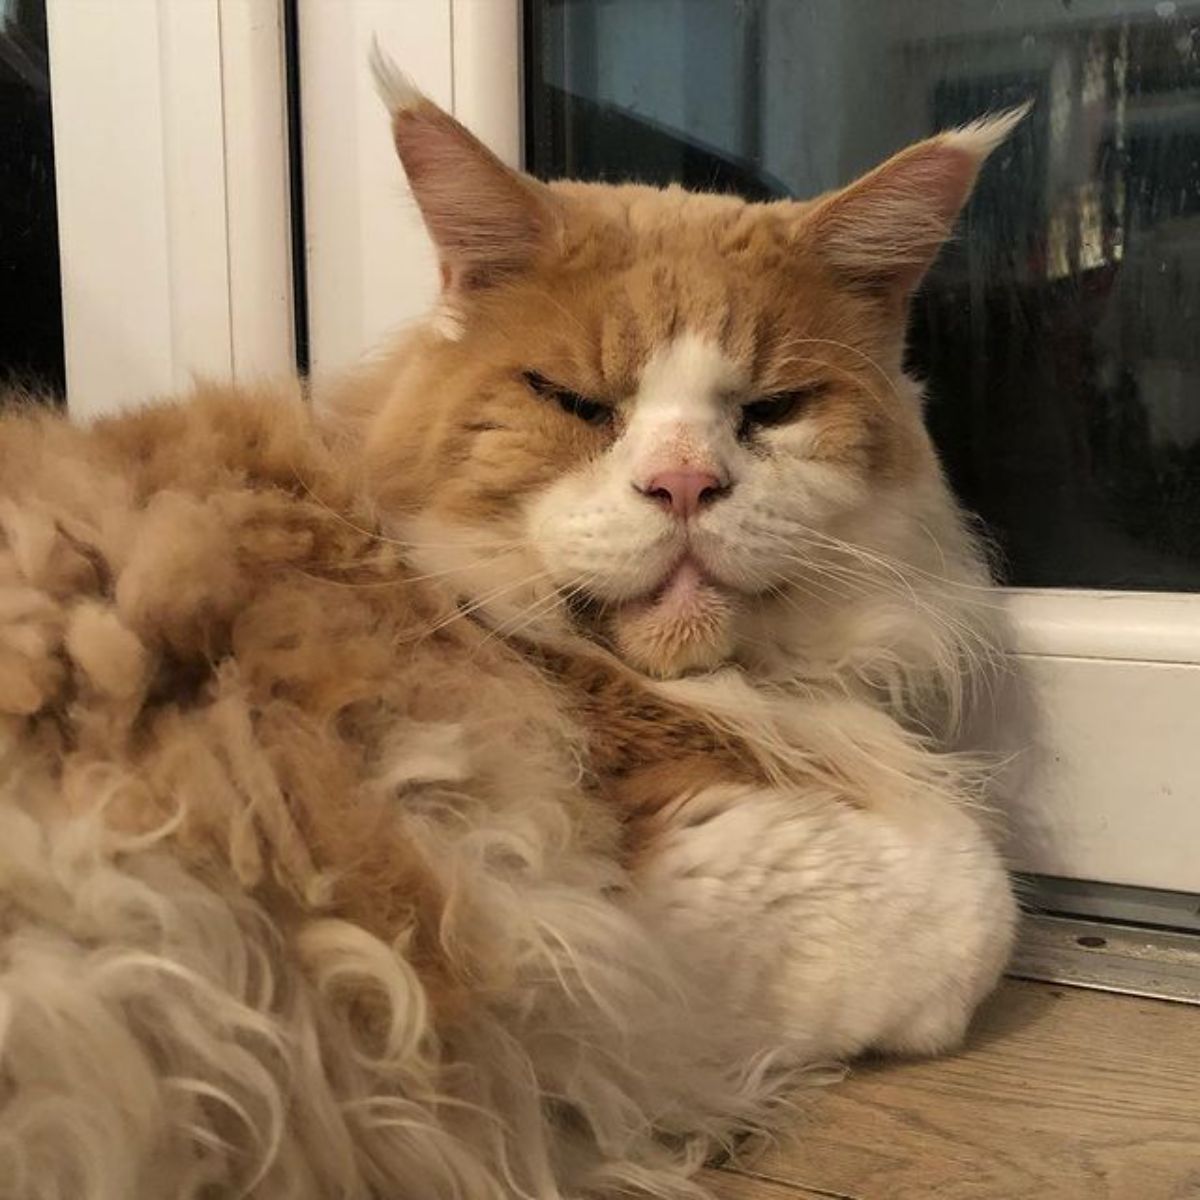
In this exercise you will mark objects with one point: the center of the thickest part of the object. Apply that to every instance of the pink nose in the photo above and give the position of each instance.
(684, 491)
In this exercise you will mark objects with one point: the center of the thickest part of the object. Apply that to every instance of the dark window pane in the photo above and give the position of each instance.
(31, 333)
(1060, 334)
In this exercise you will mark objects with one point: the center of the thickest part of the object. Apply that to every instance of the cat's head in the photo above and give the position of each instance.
(653, 416)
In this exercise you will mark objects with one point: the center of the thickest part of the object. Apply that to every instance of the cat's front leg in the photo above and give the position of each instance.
(849, 929)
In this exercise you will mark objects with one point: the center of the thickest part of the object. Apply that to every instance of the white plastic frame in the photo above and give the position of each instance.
(370, 266)
(171, 162)
(1110, 732)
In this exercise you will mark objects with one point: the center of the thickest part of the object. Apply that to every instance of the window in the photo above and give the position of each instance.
(172, 202)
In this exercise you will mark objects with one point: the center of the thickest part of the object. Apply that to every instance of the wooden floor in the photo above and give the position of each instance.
(1061, 1094)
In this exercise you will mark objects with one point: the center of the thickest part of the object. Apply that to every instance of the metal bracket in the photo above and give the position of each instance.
(1113, 958)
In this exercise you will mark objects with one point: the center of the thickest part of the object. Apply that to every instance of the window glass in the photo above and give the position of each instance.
(31, 330)
(1060, 333)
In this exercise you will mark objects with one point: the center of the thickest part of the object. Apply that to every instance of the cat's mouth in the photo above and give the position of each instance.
(683, 624)
(686, 590)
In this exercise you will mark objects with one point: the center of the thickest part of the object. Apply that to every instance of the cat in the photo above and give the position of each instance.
(506, 770)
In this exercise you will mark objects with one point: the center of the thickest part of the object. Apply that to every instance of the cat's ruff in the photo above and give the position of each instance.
(506, 775)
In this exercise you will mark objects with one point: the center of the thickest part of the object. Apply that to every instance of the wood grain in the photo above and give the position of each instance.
(1061, 1094)
(736, 1185)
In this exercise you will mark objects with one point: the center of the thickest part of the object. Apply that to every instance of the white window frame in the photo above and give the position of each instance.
(1107, 737)
(370, 265)
(1107, 719)
(172, 186)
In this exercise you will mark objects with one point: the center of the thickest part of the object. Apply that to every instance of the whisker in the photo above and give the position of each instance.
(400, 578)
(889, 383)
(479, 602)
(538, 609)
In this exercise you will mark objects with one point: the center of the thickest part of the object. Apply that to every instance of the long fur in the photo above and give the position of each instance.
(370, 823)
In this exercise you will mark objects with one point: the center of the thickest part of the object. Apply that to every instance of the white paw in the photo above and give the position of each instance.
(846, 929)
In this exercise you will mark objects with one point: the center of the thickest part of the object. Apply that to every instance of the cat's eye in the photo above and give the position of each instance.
(775, 410)
(592, 412)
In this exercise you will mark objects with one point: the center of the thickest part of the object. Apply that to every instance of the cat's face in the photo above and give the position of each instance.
(639, 413)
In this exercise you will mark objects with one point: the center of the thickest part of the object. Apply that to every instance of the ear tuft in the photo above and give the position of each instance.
(395, 89)
(884, 230)
(983, 135)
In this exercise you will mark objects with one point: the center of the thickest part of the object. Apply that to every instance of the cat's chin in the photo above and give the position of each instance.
(685, 625)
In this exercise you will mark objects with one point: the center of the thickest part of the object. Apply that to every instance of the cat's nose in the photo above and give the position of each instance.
(685, 491)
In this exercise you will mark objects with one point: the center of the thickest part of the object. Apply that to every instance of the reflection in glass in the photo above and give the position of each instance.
(31, 332)
(1060, 334)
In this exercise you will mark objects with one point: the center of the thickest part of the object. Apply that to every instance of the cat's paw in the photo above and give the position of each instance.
(845, 929)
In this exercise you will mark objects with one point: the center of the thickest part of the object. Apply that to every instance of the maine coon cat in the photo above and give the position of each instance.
(500, 773)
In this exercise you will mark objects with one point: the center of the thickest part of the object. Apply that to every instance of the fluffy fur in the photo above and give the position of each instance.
(397, 800)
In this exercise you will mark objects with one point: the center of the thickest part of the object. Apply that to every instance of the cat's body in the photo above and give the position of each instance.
(395, 802)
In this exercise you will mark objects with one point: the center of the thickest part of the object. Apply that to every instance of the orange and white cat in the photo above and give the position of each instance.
(501, 773)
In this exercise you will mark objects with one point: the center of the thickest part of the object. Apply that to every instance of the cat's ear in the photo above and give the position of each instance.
(486, 220)
(883, 231)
